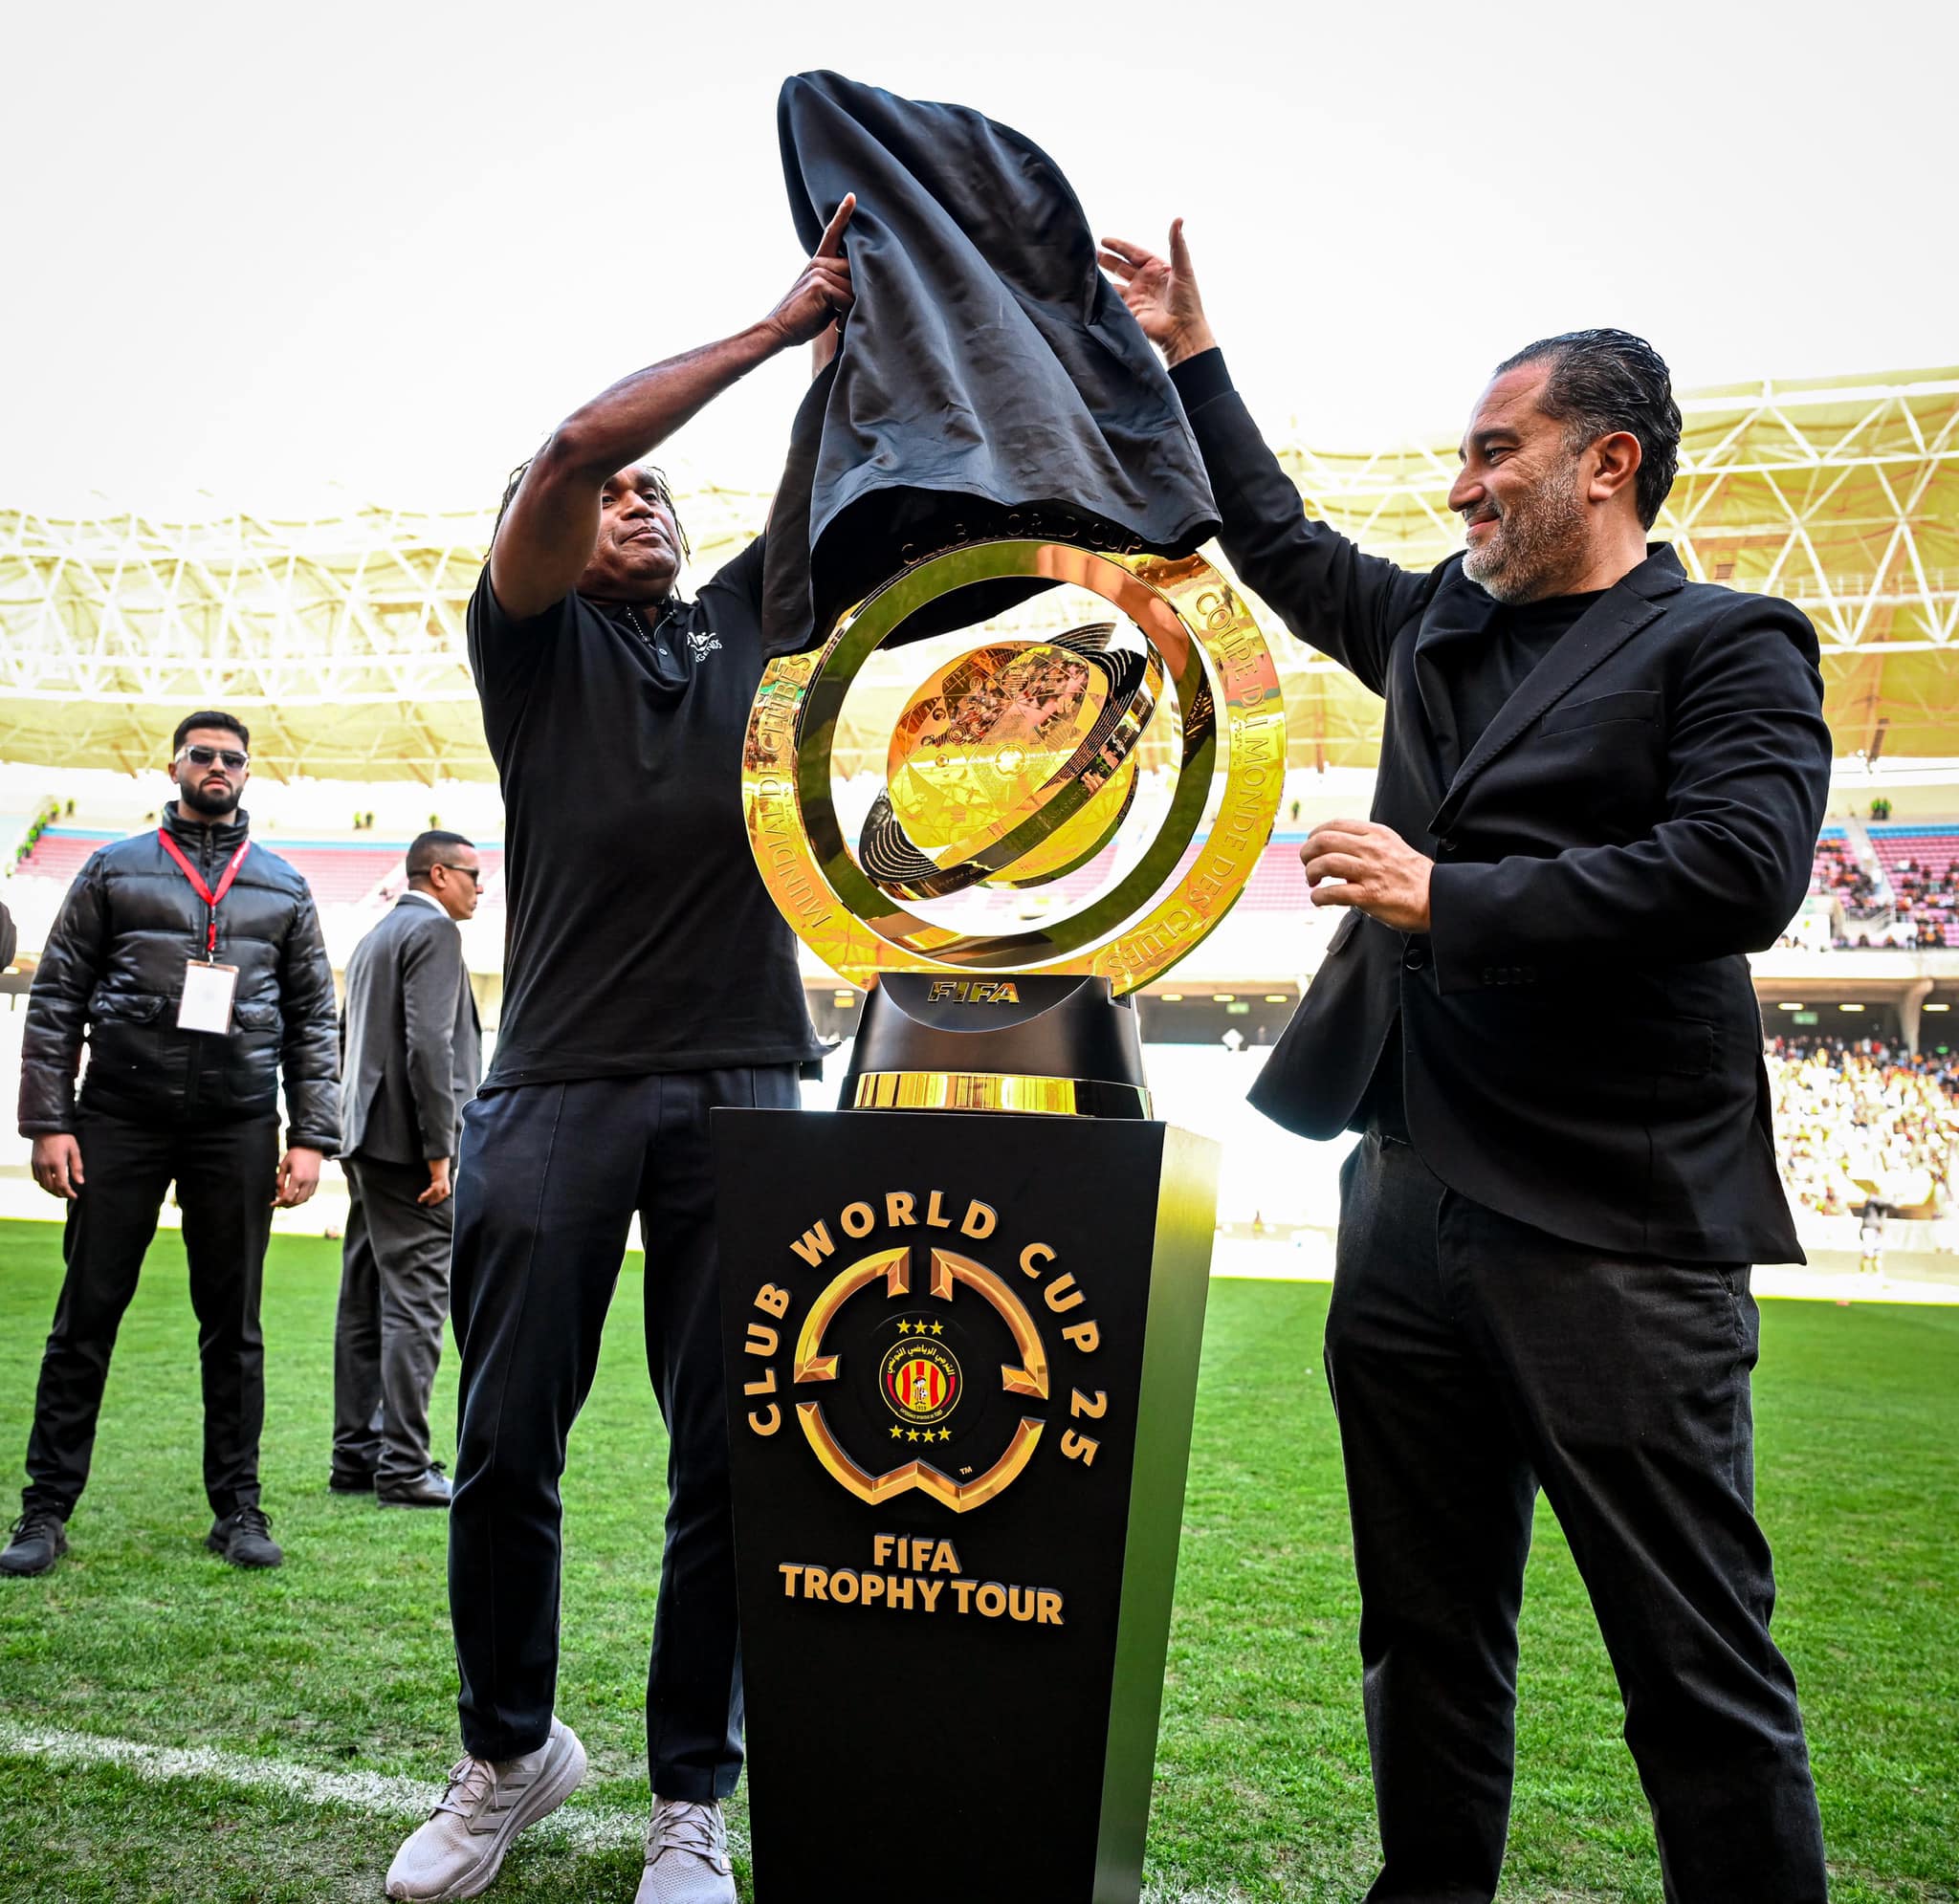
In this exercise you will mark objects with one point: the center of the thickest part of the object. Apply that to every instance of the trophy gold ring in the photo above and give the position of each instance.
(973, 799)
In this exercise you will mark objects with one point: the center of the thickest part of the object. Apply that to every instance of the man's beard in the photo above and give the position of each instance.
(214, 806)
(1535, 542)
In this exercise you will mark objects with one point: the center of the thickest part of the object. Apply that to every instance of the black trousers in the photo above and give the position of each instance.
(547, 1184)
(1472, 1360)
(387, 1326)
(224, 1177)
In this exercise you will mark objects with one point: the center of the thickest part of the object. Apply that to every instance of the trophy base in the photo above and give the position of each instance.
(985, 1733)
(1054, 1045)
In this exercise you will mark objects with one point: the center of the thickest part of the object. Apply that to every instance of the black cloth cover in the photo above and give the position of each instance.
(990, 381)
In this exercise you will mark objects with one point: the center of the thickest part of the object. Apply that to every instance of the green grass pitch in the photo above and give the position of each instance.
(341, 1663)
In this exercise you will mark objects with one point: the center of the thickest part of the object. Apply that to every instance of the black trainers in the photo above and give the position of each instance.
(350, 1480)
(39, 1539)
(244, 1537)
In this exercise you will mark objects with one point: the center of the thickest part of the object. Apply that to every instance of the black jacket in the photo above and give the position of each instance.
(1582, 1047)
(114, 968)
(412, 1047)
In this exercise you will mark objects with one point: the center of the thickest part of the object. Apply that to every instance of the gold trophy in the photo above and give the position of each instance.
(1014, 769)
(961, 1351)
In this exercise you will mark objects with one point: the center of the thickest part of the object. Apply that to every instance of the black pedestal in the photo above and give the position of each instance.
(962, 1353)
(1057, 1042)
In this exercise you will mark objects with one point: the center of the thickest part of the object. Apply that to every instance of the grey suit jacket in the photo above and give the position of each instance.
(410, 1043)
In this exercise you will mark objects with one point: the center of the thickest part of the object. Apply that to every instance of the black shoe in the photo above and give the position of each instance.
(244, 1537)
(357, 1480)
(428, 1489)
(39, 1539)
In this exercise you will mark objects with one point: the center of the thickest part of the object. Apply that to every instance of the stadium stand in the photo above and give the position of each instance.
(1887, 885)
(354, 881)
(341, 641)
(1839, 874)
(1856, 1119)
(59, 853)
(341, 875)
(1922, 864)
(1278, 883)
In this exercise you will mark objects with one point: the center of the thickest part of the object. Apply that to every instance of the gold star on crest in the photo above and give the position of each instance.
(911, 1434)
(938, 1329)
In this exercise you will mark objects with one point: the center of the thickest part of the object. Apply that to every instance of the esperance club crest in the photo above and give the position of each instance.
(919, 1376)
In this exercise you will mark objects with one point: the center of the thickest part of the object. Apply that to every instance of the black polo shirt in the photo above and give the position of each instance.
(639, 935)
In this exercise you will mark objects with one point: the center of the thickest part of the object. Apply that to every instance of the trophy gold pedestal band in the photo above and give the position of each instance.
(996, 1090)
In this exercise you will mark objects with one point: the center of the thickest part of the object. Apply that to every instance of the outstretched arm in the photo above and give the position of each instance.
(551, 526)
(1347, 605)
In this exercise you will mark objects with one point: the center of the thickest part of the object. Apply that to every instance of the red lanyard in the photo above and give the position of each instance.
(211, 899)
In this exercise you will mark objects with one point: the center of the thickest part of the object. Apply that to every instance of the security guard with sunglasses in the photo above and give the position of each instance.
(192, 963)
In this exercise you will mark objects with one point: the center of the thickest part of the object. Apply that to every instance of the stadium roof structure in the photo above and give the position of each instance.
(340, 640)
(1840, 494)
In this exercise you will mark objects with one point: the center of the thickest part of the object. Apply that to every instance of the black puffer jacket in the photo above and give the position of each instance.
(113, 966)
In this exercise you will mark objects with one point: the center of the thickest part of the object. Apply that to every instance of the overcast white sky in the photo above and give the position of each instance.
(265, 249)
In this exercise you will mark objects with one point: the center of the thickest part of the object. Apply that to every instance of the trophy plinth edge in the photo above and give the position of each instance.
(1055, 1045)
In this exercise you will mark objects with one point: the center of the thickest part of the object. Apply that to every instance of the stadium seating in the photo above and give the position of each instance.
(60, 852)
(340, 875)
(353, 880)
(1278, 883)
(1909, 897)
(1922, 863)
(1835, 870)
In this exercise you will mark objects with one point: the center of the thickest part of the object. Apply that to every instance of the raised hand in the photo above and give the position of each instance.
(823, 293)
(1161, 294)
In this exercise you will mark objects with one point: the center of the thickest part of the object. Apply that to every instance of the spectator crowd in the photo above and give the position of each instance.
(1914, 903)
(1928, 896)
(1838, 875)
(1856, 1116)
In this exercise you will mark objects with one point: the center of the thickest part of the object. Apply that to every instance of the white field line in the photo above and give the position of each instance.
(582, 1828)
(585, 1828)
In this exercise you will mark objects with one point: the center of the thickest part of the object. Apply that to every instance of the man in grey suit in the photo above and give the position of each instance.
(413, 1055)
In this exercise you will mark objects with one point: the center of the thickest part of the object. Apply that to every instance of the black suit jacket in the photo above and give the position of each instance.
(1582, 1044)
(411, 1046)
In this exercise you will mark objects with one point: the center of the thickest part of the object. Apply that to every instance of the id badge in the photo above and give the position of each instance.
(208, 994)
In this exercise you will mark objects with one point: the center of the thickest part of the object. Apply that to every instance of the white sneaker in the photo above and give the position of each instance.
(687, 1855)
(458, 1851)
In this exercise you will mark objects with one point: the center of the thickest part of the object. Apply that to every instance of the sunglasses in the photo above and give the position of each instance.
(470, 873)
(232, 761)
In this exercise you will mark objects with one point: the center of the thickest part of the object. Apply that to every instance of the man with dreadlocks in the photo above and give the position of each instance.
(647, 979)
